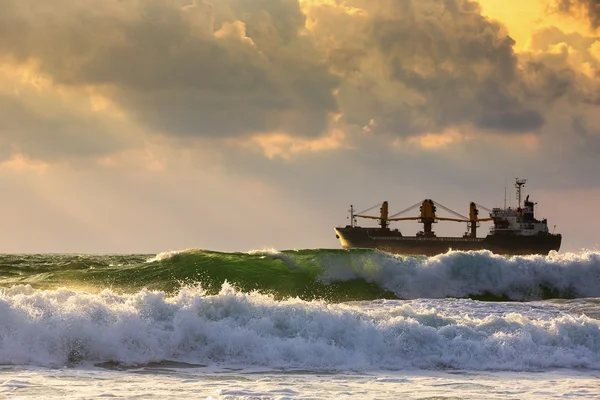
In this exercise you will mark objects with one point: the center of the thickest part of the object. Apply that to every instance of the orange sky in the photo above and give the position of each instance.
(524, 17)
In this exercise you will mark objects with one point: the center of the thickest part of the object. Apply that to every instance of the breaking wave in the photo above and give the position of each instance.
(61, 327)
(330, 275)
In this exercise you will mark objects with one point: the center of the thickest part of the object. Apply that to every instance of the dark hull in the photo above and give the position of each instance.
(394, 242)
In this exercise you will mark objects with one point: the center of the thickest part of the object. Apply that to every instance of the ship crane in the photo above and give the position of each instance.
(427, 216)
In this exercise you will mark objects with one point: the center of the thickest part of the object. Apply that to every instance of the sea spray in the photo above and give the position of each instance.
(66, 327)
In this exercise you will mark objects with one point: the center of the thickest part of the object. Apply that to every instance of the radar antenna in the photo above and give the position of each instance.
(519, 185)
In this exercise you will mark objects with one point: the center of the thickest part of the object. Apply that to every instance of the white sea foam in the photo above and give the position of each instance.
(166, 381)
(265, 252)
(459, 274)
(165, 255)
(52, 328)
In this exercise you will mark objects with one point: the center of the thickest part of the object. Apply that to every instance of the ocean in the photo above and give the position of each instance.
(300, 324)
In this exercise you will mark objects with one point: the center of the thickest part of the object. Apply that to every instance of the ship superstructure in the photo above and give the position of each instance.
(514, 230)
(520, 221)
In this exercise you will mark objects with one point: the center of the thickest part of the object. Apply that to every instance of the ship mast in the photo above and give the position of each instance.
(352, 217)
(519, 185)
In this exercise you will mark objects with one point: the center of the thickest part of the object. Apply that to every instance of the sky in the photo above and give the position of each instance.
(141, 126)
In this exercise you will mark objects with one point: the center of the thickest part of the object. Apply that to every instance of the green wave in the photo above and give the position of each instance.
(330, 275)
(281, 274)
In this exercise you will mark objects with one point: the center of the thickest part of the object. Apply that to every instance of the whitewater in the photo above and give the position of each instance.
(300, 324)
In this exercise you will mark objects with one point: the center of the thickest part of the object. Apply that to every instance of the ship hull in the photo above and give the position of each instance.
(393, 242)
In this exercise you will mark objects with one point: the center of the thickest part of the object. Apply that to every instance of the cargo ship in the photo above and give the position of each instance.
(514, 231)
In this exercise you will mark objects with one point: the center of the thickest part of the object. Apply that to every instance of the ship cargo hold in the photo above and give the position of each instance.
(514, 231)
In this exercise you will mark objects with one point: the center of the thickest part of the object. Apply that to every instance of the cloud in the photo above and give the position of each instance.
(222, 70)
(235, 68)
(416, 67)
(589, 8)
(293, 78)
(44, 124)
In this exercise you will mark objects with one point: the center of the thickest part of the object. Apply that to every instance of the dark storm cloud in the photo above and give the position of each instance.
(191, 70)
(550, 68)
(549, 84)
(591, 9)
(448, 64)
(229, 68)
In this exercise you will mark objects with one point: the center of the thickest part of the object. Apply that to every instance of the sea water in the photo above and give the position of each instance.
(300, 324)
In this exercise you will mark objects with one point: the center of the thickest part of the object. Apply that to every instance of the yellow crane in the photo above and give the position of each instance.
(427, 216)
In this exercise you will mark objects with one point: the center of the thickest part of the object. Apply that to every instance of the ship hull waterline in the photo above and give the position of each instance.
(393, 242)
